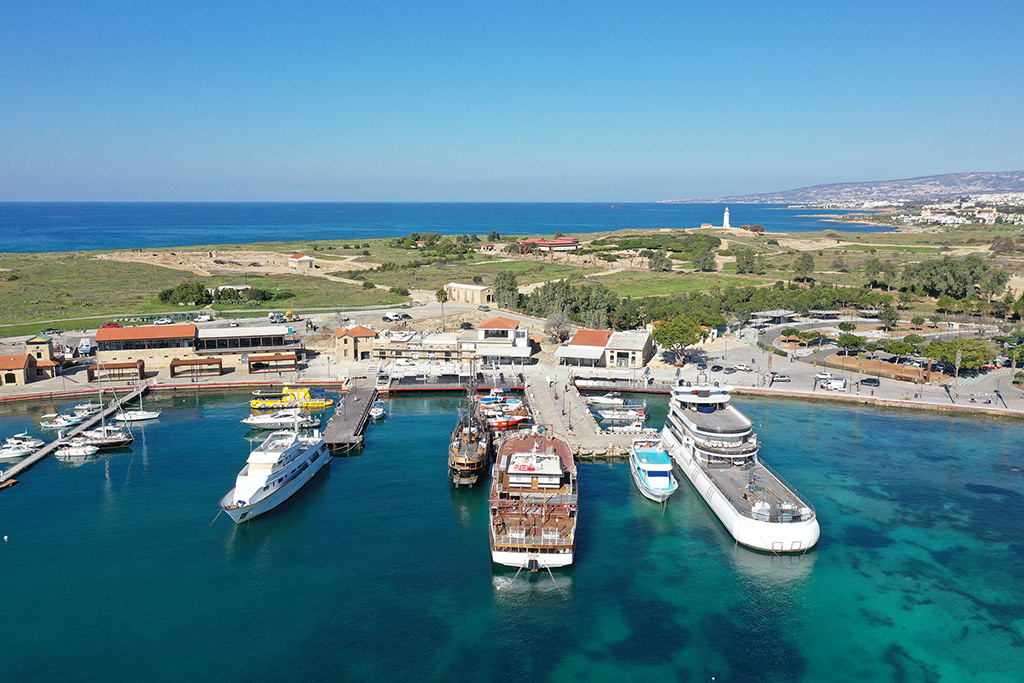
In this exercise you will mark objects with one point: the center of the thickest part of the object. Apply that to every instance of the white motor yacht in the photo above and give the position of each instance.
(274, 472)
(715, 446)
(10, 451)
(23, 439)
(288, 418)
(76, 449)
(652, 470)
(609, 399)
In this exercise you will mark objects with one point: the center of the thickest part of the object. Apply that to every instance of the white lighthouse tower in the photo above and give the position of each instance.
(725, 219)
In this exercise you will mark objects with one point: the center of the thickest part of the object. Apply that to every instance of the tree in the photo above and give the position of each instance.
(790, 332)
(945, 303)
(935, 319)
(677, 333)
(847, 327)
(870, 347)
(1018, 307)
(494, 236)
(442, 298)
(188, 293)
(914, 340)
(889, 317)
(917, 321)
(803, 267)
(848, 342)
(557, 326)
(704, 259)
(658, 261)
(506, 290)
(745, 260)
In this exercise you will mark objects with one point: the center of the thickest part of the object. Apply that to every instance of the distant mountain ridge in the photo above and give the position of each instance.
(925, 188)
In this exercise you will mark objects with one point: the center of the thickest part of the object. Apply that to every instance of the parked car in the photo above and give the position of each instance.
(744, 368)
(871, 382)
(729, 370)
(466, 326)
(702, 366)
(105, 325)
(233, 323)
(823, 376)
(163, 321)
(483, 307)
(990, 366)
(204, 318)
(782, 378)
(405, 316)
(51, 330)
(716, 368)
(835, 384)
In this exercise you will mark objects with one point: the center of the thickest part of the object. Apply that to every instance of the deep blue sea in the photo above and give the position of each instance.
(119, 569)
(31, 226)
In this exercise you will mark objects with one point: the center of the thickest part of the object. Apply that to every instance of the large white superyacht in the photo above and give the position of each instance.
(275, 470)
(715, 446)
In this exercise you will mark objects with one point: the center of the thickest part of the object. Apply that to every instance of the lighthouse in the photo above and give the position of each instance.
(725, 219)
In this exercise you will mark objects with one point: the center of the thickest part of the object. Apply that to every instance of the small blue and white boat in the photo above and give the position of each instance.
(652, 470)
(378, 411)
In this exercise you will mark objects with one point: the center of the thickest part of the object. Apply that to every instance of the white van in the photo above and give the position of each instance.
(835, 384)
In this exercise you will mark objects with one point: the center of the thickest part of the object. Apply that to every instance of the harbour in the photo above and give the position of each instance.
(892, 568)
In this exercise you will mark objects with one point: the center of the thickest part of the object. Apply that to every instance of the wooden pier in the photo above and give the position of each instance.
(8, 477)
(344, 431)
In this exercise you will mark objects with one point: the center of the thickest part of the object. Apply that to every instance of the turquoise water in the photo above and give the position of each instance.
(378, 569)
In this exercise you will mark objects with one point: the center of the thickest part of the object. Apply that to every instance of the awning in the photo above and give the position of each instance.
(584, 352)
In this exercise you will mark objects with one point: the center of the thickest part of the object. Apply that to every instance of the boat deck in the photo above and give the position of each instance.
(728, 421)
(745, 485)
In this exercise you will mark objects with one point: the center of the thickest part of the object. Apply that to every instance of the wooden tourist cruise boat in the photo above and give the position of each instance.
(533, 503)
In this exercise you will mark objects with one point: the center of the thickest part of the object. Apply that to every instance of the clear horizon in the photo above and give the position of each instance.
(457, 102)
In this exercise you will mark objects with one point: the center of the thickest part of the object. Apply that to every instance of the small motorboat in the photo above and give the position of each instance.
(10, 451)
(76, 449)
(58, 421)
(378, 410)
(137, 415)
(609, 399)
(24, 439)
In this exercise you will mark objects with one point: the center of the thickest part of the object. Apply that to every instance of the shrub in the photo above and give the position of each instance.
(368, 285)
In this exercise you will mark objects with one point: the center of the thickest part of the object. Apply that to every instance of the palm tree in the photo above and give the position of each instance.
(442, 298)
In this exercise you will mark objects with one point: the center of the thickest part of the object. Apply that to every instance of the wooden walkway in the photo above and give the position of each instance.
(344, 431)
(396, 385)
(45, 451)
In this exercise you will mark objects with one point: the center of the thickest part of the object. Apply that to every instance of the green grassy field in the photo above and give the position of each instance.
(640, 283)
(53, 286)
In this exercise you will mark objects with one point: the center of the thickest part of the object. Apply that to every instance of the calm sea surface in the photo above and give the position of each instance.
(118, 570)
(30, 226)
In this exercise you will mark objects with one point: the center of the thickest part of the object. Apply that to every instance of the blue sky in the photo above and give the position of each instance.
(513, 101)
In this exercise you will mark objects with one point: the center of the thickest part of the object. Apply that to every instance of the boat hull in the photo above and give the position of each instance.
(522, 560)
(277, 496)
(772, 537)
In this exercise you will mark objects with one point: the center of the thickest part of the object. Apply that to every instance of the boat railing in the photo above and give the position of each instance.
(797, 496)
(727, 448)
(533, 539)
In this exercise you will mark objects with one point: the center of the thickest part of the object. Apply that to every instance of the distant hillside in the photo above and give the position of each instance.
(911, 189)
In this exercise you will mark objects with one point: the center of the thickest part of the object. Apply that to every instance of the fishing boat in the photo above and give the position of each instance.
(292, 397)
(11, 451)
(378, 410)
(534, 501)
(469, 450)
(715, 446)
(652, 470)
(609, 399)
(282, 419)
(274, 472)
